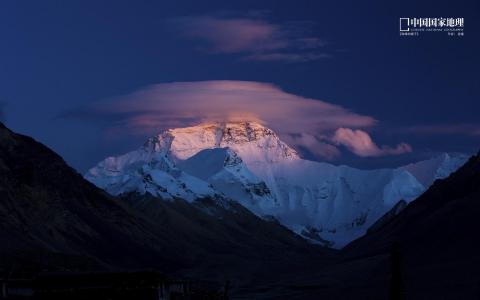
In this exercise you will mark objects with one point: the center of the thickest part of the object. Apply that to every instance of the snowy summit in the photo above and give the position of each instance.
(248, 163)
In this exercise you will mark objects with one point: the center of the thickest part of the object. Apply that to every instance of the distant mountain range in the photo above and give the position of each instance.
(248, 163)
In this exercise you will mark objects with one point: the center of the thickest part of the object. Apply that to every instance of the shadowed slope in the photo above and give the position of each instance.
(436, 237)
(50, 217)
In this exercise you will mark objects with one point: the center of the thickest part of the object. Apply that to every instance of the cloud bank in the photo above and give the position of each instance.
(316, 125)
(253, 37)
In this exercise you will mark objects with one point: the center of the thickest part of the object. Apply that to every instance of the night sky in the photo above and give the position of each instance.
(66, 67)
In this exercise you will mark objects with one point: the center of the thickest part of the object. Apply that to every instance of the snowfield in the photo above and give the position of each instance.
(248, 163)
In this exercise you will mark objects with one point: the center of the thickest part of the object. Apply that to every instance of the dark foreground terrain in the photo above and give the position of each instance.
(52, 220)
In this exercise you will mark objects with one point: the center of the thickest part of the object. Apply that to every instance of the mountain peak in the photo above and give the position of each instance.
(248, 163)
(251, 140)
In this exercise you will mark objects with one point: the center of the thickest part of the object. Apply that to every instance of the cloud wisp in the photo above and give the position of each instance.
(360, 143)
(316, 125)
(252, 37)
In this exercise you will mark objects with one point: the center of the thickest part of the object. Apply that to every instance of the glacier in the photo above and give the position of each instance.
(248, 163)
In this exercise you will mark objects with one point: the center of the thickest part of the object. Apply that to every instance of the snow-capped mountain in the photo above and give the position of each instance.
(248, 163)
(438, 167)
(226, 172)
(147, 169)
(251, 141)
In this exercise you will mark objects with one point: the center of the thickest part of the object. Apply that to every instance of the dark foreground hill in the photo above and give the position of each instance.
(435, 240)
(52, 219)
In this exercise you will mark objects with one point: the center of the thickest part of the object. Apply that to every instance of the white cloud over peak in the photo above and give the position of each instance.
(314, 124)
(360, 143)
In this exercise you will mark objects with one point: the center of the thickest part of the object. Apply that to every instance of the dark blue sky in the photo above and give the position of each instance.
(57, 56)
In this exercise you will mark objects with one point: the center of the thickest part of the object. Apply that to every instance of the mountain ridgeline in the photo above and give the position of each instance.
(248, 163)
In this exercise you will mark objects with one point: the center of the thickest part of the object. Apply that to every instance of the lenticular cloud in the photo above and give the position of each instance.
(160, 105)
(169, 105)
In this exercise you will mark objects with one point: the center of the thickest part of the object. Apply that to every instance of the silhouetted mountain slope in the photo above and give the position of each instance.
(442, 218)
(228, 237)
(46, 207)
(436, 237)
(50, 217)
